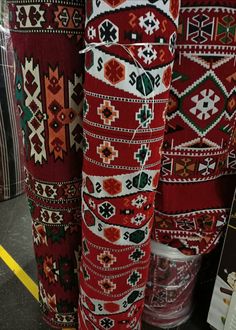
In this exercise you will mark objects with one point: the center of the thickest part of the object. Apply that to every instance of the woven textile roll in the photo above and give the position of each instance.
(47, 37)
(127, 86)
(198, 163)
(199, 152)
(11, 149)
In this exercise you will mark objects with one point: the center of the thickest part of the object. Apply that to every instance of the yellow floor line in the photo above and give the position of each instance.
(19, 272)
(231, 226)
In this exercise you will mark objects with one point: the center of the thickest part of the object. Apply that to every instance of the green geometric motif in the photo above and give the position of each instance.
(227, 30)
(134, 278)
(141, 180)
(144, 116)
(142, 154)
(137, 236)
(136, 255)
(145, 83)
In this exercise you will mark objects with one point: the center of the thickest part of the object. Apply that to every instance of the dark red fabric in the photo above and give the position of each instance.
(47, 37)
(198, 161)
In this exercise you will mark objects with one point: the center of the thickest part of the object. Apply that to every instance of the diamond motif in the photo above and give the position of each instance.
(107, 285)
(77, 18)
(205, 104)
(56, 125)
(185, 167)
(107, 113)
(145, 83)
(106, 259)
(200, 29)
(91, 33)
(208, 166)
(107, 152)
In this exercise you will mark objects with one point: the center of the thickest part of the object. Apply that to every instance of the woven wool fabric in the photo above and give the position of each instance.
(47, 37)
(198, 166)
(126, 93)
(11, 150)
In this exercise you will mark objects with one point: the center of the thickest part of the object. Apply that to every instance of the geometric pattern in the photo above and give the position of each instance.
(107, 113)
(200, 126)
(127, 88)
(36, 126)
(144, 116)
(107, 152)
(46, 35)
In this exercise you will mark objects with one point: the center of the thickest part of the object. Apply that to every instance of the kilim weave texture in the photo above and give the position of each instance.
(47, 37)
(199, 152)
(126, 92)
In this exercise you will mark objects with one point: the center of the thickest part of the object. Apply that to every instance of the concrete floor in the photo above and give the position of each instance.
(19, 309)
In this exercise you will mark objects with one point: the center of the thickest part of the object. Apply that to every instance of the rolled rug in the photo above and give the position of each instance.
(198, 158)
(128, 60)
(47, 37)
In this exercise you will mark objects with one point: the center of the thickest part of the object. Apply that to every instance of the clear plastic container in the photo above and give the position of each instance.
(169, 291)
